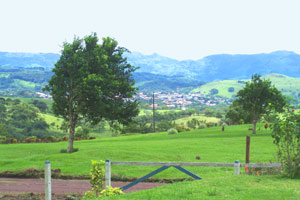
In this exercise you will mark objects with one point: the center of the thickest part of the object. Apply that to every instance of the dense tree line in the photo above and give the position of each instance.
(19, 120)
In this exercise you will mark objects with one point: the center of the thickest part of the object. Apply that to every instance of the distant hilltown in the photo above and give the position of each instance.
(178, 100)
(171, 100)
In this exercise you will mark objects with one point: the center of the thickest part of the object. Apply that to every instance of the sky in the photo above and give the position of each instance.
(179, 29)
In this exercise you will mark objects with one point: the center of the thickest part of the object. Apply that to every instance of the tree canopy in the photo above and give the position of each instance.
(257, 95)
(92, 81)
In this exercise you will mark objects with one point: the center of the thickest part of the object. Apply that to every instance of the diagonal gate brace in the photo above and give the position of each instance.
(188, 172)
(144, 177)
(156, 172)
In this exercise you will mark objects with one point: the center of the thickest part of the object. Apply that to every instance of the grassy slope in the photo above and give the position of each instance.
(221, 86)
(288, 84)
(211, 144)
(51, 119)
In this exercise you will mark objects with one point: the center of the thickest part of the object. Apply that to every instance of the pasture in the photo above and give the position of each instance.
(211, 144)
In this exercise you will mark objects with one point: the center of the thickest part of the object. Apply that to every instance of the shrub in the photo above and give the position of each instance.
(82, 133)
(164, 125)
(110, 191)
(13, 141)
(192, 123)
(172, 131)
(97, 181)
(214, 91)
(231, 89)
(202, 126)
(181, 129)
(49, 138)
(30, 139)
(2, 139)
(266, 125)
(97, 176)
(286, 134)
(64, 138)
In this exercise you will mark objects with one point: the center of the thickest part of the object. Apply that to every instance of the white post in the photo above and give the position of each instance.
(107, 173)
(47, 180)
(237, 167)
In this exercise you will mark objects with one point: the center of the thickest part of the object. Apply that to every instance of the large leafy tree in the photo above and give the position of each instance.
(257, 95)
(92, 81)
(237, 114)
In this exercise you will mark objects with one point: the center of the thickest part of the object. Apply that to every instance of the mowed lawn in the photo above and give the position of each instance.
(225, 187)
(211, 144)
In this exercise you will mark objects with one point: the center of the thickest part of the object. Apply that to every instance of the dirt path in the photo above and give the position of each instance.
(36, 186)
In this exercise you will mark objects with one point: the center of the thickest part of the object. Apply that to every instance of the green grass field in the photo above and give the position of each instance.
(211, 144)
(183, 121)
(287, 85)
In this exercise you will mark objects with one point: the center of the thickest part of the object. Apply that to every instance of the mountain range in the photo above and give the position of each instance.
(159, 73)
(220, 67)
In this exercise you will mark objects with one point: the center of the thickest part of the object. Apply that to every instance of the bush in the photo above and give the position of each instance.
(12, 141)
(65, 138)
(172, 131)
(286, 133)
(97, 181)
(30, 139)
(49, 139)
(214, 91)
(231, 89)
(97, 176)
(110, 191)
(2, 139)
(82, 133)
(192, 123)
(181, 129)
(164, 125)
(202, 126)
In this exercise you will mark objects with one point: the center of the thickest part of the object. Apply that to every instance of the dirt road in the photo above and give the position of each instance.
(36, 186)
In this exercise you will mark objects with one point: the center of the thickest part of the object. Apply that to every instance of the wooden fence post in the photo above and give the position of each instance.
(248, 149)
(48, 180)
(107, 173)
(247, 154)
(237, 167)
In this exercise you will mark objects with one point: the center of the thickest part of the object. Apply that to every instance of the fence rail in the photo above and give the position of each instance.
(271, 165)
(275, 165)
(178, 165)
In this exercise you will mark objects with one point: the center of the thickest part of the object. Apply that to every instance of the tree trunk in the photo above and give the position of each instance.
(71, 137)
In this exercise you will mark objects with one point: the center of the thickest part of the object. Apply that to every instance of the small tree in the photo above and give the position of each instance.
(256, 95)
(286, 134)
(92, 81)
(214, 91)
(231, 89)
(236, 113)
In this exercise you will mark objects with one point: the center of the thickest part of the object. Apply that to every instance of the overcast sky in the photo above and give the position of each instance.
(180, 29)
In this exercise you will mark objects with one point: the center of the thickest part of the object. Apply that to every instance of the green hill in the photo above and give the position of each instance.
(287, 85)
